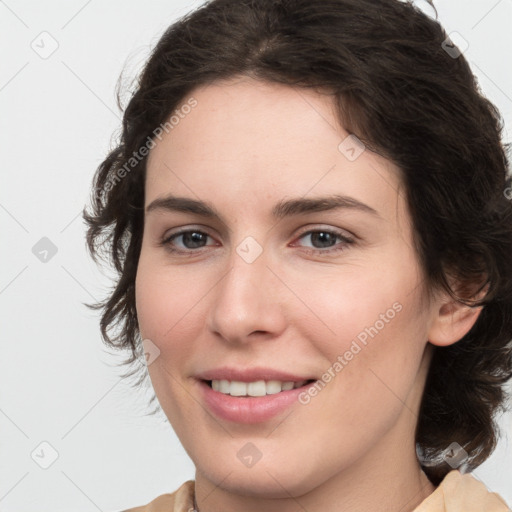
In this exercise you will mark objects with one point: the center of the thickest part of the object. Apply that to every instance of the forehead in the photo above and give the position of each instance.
(246, 140)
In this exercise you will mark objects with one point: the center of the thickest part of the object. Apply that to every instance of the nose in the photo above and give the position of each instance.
(248, 302)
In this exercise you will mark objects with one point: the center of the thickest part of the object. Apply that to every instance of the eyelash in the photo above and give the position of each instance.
(346, 241)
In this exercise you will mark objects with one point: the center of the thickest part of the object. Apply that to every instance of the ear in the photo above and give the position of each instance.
(452, 320)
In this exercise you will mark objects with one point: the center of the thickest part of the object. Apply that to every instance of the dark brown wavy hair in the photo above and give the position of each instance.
(405, 97)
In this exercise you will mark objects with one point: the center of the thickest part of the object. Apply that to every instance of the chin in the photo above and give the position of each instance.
(272, 478)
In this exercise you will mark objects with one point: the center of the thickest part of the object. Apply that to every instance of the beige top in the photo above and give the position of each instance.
(456, 493)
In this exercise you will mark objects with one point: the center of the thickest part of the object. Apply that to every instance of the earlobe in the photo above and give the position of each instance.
(452, 322)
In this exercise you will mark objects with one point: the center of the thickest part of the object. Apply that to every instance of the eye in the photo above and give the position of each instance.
(186, 240)
(326, 240)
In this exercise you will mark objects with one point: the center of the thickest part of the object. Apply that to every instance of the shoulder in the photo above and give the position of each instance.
(460, 491)
(181, 500)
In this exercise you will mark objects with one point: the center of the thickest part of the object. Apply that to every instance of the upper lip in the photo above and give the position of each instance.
(250, 375)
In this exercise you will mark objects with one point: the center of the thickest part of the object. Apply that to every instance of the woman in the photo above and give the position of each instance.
(308, 213)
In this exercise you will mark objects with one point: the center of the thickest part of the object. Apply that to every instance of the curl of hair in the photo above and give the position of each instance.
(404, 97)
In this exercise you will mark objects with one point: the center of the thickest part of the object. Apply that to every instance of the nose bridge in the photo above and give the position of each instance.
(246, 299)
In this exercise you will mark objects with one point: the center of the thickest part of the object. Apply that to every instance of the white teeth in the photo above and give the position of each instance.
(224, 386)
(273, 387)
(238, 389)
(257, 388)
(287, 385)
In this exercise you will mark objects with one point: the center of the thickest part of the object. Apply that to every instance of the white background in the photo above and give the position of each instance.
(58, 382)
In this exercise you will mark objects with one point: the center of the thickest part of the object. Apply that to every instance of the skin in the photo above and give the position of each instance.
(245, 146)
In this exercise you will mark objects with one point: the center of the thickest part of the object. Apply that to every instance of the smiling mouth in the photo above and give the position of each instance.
(255, 389)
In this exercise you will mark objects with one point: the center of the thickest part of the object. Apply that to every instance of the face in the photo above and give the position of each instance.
(254, 279)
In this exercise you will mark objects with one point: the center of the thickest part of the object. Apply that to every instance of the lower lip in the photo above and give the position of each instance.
(249, 409)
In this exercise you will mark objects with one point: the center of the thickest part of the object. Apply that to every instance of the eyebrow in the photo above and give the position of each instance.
(282, 209)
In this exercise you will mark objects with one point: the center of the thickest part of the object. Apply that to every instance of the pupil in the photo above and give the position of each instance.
(324, 238)
(194, 238)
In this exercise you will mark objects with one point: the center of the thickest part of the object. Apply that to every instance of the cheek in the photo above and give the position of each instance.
(167, 311)
(382, 358)
(166, 301)
(371, 329)
(349, 304)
